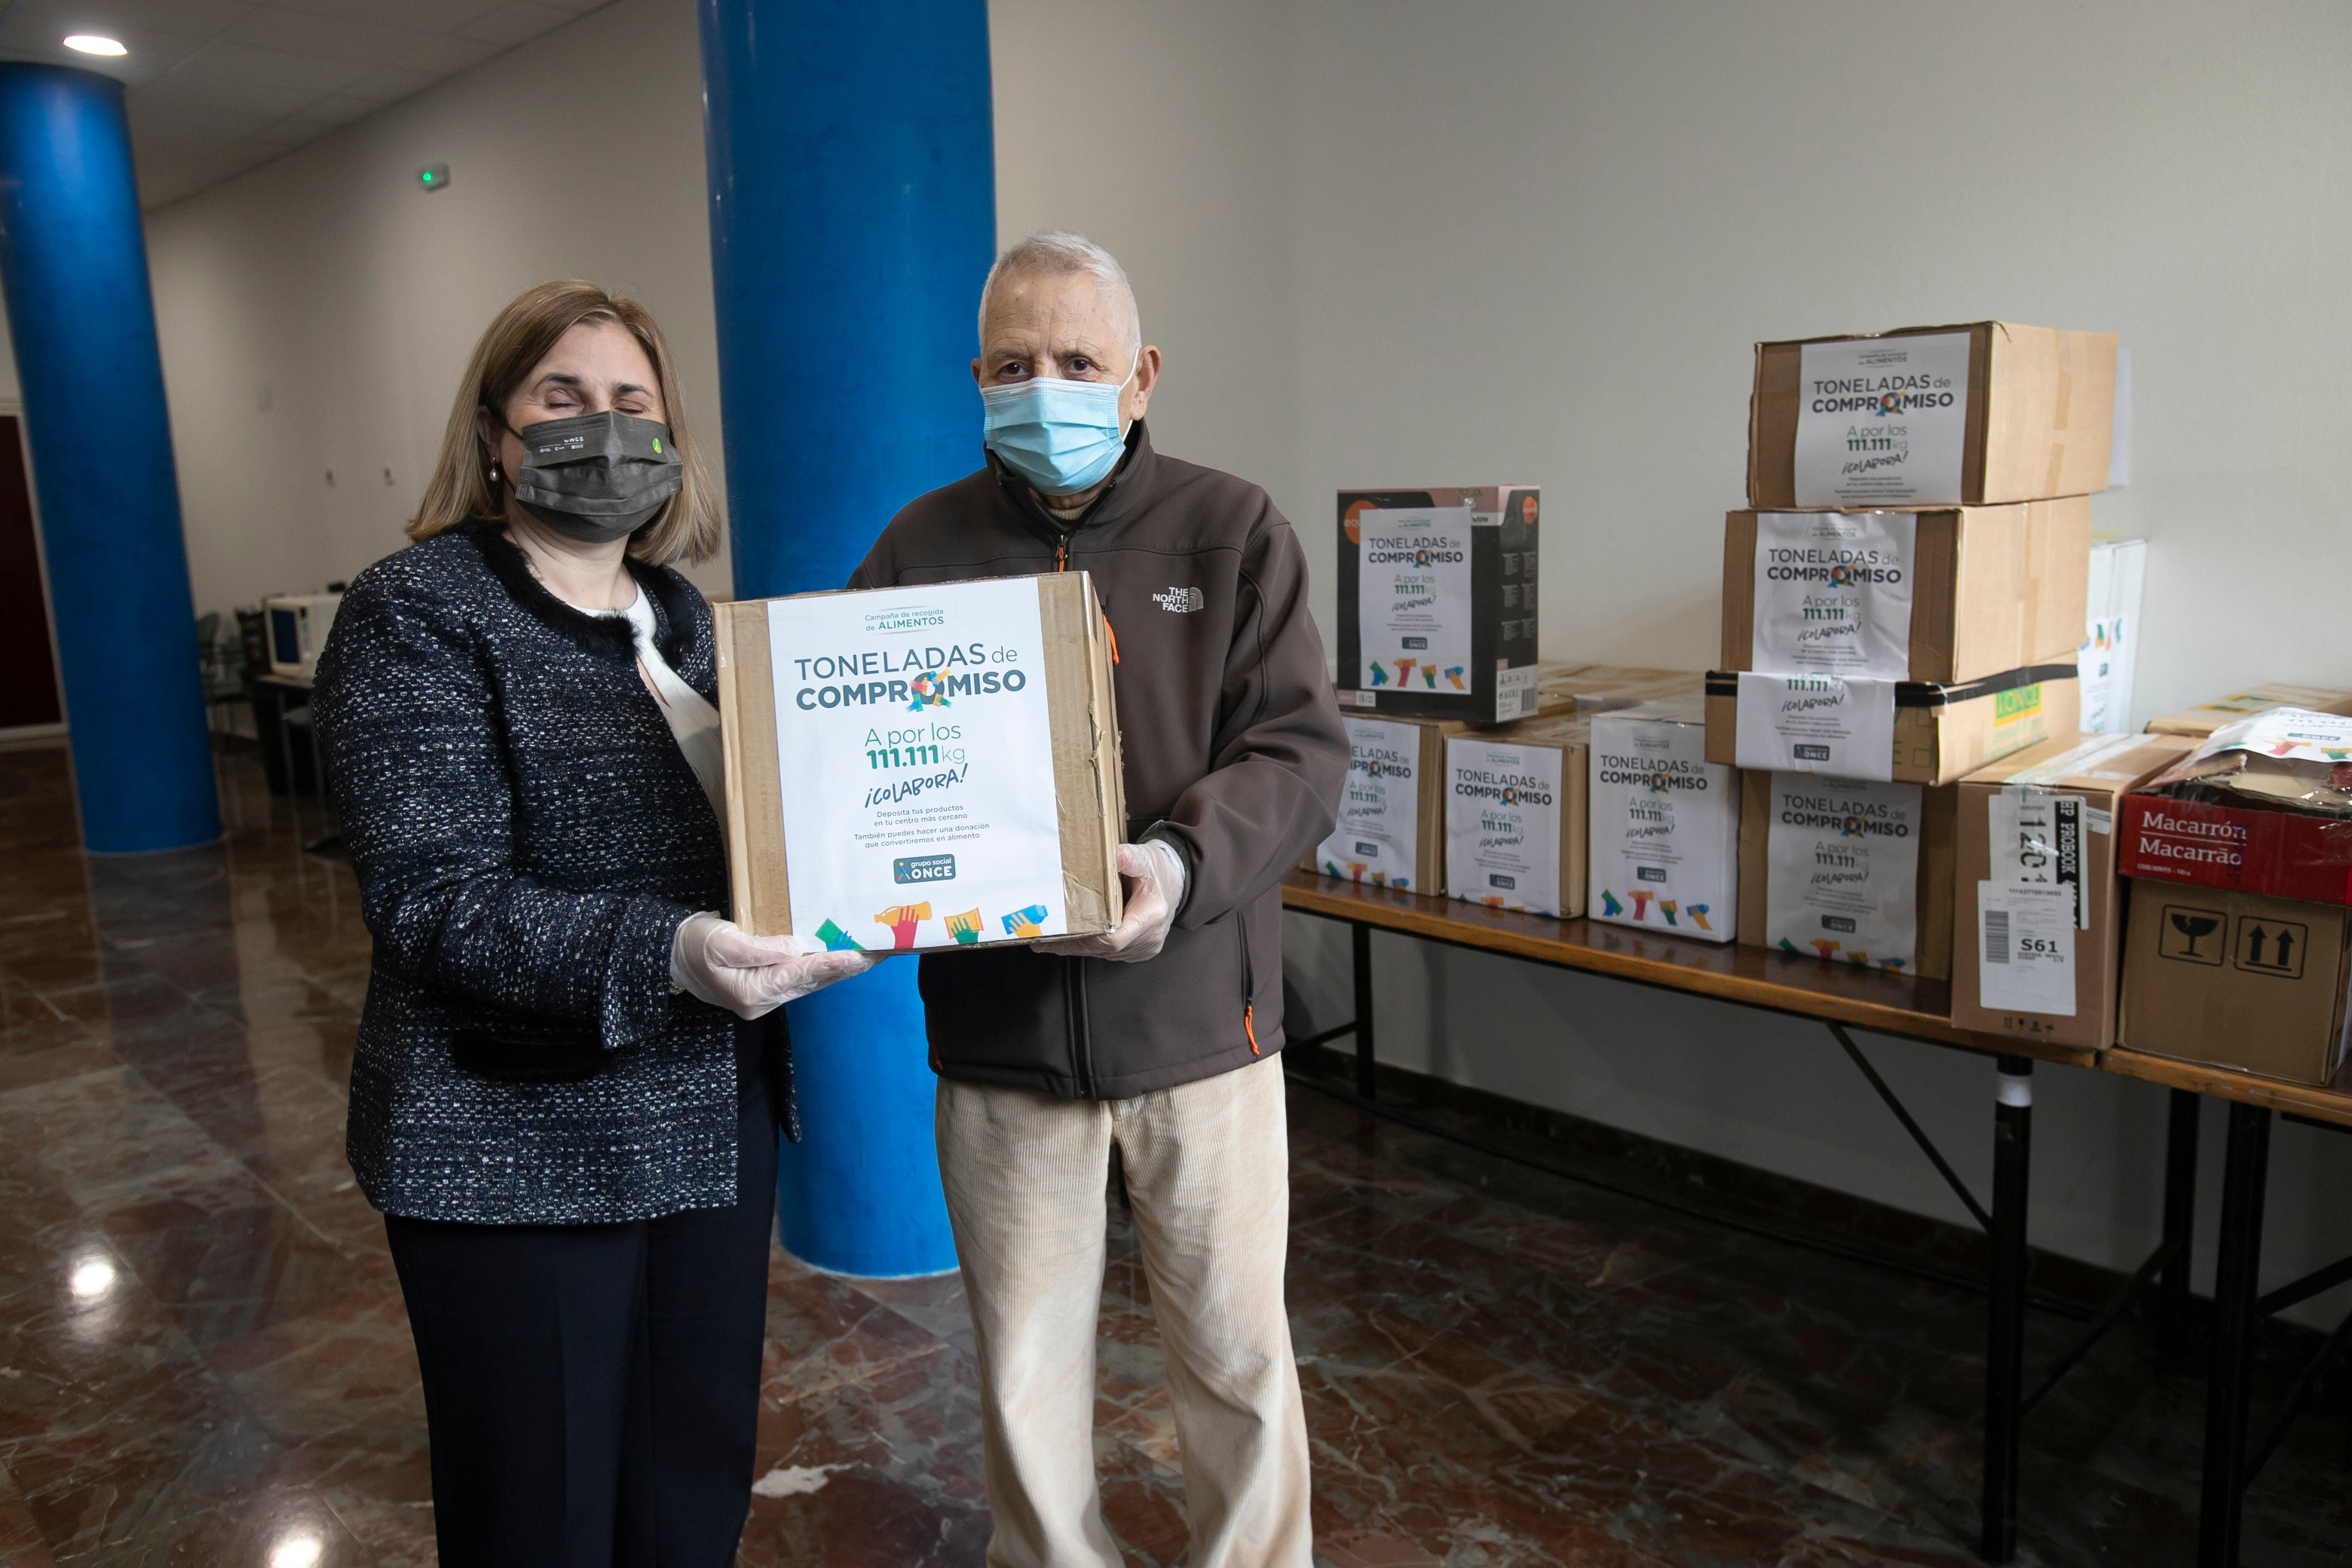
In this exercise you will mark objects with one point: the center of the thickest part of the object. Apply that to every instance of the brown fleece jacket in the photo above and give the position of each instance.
(1233, 753)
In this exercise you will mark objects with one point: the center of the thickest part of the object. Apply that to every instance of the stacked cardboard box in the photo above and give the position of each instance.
(2038, 927)
(2207, 717)
(1437, 601)
(1902, 603)
(1391, 827)
(1516, 813)
(2239, 951)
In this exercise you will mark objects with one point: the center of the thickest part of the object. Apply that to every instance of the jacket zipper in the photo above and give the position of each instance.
(1249, 980)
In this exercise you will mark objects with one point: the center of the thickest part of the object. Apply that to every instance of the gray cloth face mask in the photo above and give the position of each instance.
(596, 478)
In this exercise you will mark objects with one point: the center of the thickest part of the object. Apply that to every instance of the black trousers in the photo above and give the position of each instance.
(592, 1391)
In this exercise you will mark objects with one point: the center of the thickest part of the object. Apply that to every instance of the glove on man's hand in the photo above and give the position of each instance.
(1155, 887)
(752, 977)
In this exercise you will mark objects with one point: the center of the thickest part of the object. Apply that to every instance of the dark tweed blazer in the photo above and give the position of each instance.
(527, 838)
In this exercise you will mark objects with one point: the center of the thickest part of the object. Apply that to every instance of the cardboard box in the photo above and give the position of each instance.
(1665, 822)
(2208, 716)
(2236, 980)
(2038, 930)
(1437, 601)
(1977, 415)
(1947, 596)
(1391, 827)
(1940, 733)
(920, 768)
(1514, 815)
(1848, 870)
(1591, 688)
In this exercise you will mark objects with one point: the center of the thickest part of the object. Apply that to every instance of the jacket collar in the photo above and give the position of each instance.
(607, 636)
(1122, 498)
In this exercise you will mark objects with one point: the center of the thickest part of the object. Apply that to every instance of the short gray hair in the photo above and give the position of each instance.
(1058, 253)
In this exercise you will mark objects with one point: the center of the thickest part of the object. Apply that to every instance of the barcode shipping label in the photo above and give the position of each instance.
(2036, 840)
(2025, 940)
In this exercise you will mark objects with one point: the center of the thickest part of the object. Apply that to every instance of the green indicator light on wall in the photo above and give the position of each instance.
(433, 176)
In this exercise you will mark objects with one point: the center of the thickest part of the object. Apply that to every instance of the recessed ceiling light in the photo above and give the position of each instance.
(94, 44)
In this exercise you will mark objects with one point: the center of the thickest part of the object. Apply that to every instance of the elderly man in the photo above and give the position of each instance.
(1159, 1038)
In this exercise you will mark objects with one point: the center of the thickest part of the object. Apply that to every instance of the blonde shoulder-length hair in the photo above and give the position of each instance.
(461, 490)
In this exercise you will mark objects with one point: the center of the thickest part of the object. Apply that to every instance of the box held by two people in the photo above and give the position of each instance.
(2038, 934)
(1437, 601)
(1666, 823)
(1391, 827)
(1975, 415)
(926, 768)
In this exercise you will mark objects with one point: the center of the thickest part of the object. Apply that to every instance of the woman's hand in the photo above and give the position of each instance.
(752, 977)
(1155, 889)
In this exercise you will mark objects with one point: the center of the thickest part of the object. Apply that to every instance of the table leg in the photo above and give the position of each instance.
(2012, 1149)
(1360, 948)
(2179, 1225)
(2237, 1274)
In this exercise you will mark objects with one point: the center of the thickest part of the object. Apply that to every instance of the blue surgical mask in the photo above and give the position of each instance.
(1060, 436)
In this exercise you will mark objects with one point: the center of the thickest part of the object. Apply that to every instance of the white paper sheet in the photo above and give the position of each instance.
(1842, 870)
(1842, 725)
(915, 758)
(1882, 421)
(1412, 597)
(1665, 828)
(2025, 948)
(1379, 805)
(1833, 593)
(1502, 825)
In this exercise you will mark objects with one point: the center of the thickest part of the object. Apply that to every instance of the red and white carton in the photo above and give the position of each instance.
(2278, 851)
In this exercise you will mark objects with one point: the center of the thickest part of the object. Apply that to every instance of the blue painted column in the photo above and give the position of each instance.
(73, 262)
(852, 216)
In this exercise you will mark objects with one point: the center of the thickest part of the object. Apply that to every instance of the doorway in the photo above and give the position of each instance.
(29, 693)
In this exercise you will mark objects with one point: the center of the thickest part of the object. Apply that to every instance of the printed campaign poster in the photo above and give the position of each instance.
(1665, 827)
(1379, 805)
(1412, 597)
(1882, 421)
(1833, 593)
(1841, 724)
(1842, 870)
(915, 759)
(1502, 825)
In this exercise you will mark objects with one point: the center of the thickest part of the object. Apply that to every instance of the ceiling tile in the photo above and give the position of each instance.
(389, 84)
(246, 63)
(446, 57)
(516, 21)
(408, 16)
(322, 38)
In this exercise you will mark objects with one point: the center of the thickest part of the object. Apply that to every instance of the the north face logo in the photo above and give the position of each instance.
(1181, 601)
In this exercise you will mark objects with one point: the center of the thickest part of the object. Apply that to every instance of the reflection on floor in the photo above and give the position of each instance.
(203, 1357)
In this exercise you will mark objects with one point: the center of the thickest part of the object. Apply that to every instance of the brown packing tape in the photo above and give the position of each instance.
(760, 884)
(1075, 650)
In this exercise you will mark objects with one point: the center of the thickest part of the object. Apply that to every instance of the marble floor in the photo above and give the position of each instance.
(202, 1358)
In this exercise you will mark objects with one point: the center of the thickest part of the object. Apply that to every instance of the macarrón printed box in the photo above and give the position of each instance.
(922, 769)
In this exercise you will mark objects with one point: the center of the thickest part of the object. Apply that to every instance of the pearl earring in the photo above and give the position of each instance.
(494, 473)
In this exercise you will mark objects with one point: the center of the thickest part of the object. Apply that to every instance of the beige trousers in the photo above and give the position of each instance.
(1207, 1172)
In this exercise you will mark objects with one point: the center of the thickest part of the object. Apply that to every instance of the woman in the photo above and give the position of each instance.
(563, 1100)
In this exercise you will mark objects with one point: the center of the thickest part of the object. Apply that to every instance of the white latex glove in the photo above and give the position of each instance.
(752, 977)
(1155, 889)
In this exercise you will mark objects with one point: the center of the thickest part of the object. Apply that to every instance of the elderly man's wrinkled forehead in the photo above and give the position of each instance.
(1029, 310)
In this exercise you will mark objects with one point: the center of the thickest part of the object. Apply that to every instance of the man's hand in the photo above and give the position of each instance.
(1155, 887)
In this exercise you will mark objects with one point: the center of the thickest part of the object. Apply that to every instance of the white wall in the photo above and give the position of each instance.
(1397, 242)
(1537, 242)
(317, 312)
